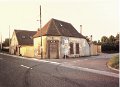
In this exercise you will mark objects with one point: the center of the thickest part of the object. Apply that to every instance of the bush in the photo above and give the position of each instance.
(114, 62)
(110, 48)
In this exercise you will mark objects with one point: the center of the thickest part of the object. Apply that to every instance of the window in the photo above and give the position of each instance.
(77, 48)
(23, 37)
(61, 25)
(71, 48)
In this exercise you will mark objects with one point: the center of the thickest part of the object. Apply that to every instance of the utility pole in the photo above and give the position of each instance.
(41, 34)
(1, 43)
(9, 38)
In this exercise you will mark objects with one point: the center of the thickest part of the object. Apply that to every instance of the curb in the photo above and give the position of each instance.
(112, 67)
(21, 57)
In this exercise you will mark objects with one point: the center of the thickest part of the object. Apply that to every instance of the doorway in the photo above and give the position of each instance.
(53, 51)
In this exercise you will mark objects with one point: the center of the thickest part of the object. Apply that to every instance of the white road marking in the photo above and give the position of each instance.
(25, 66)
(56, 63)
(64, 62)
(35, 59)
(85, 59)
(74, 61)
(78, 60)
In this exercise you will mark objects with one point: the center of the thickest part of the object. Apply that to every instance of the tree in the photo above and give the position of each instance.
(104, 39)
(6, 42)
(88, 39)
(117, 37)
(94, 42)
(111, 39)
(99, 43)
(117, 42)
(110, 44)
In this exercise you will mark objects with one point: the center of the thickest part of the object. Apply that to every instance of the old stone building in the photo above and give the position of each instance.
(22, 43)
(58, 39)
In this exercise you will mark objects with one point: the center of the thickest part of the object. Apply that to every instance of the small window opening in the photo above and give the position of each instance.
(23, 36)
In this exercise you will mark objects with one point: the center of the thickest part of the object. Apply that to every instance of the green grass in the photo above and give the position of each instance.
(114, 62)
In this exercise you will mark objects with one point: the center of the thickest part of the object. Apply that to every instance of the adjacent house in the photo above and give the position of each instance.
(57, 39)
(22, 43)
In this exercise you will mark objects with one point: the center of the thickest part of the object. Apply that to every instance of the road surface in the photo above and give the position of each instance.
(18, 72)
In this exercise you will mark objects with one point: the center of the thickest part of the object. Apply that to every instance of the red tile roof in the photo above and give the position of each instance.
(58, 28)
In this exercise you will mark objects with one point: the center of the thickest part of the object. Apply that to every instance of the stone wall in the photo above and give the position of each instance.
(64, 46)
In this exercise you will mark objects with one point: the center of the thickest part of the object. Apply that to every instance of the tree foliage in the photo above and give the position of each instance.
(110, 44)
(111, 39)
(87, 38)
(104, 39)
(6, 42)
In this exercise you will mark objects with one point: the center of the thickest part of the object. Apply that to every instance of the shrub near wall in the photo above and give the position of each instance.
(114, 62)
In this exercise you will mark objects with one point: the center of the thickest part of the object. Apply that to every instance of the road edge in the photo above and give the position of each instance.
(112, 67)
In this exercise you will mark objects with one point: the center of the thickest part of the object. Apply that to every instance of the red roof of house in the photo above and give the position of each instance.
(58, 28)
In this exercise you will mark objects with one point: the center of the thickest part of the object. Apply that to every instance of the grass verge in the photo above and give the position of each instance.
(114, 62)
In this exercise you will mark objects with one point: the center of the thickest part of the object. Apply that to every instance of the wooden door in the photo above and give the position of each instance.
(53, 49)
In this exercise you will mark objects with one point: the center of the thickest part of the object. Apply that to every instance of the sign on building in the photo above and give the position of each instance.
(65, 45)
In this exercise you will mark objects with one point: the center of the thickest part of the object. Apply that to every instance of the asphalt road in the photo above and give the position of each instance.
(17, 72)
(91, 62)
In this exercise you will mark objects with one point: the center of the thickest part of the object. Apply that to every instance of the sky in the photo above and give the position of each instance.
(97, 17)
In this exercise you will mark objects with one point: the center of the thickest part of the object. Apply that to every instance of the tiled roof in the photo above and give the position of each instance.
(24, 37)
(58, 28)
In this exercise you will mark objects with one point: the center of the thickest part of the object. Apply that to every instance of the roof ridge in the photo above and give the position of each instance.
(56, 27)
(61, 20)
(25, 30)
(48, 26)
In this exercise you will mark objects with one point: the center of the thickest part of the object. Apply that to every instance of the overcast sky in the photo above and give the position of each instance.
(98, 17)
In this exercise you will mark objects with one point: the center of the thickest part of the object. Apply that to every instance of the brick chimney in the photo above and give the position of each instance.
(91, 38)
(81, 29)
